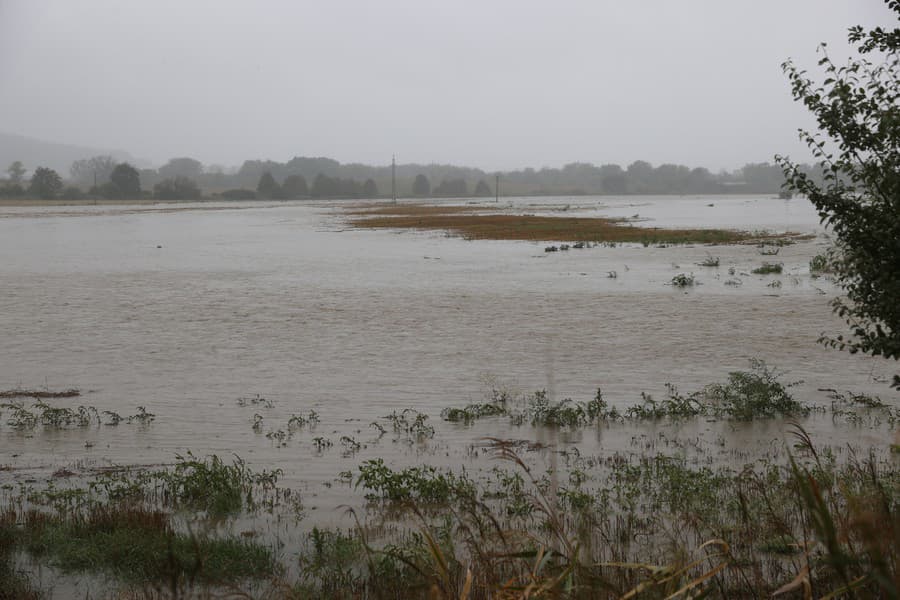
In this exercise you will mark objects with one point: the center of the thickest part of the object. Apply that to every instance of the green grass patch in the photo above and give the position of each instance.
(137, 544)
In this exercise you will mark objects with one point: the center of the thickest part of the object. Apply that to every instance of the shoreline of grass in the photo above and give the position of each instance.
(503, 226)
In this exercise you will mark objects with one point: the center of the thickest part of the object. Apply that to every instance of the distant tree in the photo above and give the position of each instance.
(294, 187)
(16, 172)
(701, 181)
(482, 188)
(95, 171)
(45, 183)
(639, 177)
(12, 190)
(325, 187)
(71, 193)
(614, 183)
(349, 188)
(857, 111)
(762, 178)
(451, 187)
(126, 181)
(421, 186)
(369, 189)
(267, 186)
(176, 188)
(181, 167)
(239, 194)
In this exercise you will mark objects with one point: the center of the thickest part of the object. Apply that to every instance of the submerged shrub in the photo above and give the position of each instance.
(768, 269)
(540, 410)
(821, 263)
(753, 394)
(683, 280)
(745, 396)
(472, 412)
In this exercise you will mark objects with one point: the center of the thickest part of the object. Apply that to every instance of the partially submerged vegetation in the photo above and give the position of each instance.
(768, 269)
(746, 395)
(147, 526)
(481, 224)
(659, 519)
(20, 417)
(683, 280)
(23, 393)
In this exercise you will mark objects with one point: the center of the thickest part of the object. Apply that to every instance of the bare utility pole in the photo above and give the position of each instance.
(394, 179)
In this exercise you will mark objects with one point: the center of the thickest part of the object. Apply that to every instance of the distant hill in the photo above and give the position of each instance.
(38, 153)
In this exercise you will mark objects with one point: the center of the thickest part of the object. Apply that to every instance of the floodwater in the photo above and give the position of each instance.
(185, 309)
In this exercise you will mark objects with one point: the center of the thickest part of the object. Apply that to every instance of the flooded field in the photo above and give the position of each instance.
(226, 320)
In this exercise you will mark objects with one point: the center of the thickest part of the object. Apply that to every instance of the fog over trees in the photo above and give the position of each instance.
(320, 177)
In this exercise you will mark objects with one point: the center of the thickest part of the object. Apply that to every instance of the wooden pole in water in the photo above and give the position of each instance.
(394, 179)
(497, 189)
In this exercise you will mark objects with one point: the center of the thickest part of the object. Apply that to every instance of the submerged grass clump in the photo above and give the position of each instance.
(768, 269)
(472, 412)
(39, 394)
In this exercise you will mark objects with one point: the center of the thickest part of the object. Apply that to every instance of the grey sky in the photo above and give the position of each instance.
(491, 84)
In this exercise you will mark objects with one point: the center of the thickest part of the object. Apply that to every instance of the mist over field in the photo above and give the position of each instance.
(497, 86)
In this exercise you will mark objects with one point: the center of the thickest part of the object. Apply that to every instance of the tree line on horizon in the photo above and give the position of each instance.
(186, 178)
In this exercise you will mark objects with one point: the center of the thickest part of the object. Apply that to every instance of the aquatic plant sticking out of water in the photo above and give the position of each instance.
(709, 261)
(540, 410)
(683, 280)
(310, 419)
(422, 483)
(142, 416)
(411, 424)
(54, 417)
(255, 400)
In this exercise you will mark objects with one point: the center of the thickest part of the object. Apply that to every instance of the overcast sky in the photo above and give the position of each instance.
(490, 84)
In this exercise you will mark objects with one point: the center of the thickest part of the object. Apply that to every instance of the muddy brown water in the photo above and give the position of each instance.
(184, 310)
